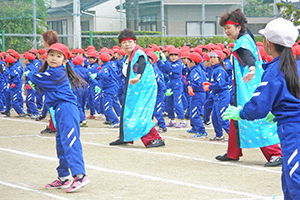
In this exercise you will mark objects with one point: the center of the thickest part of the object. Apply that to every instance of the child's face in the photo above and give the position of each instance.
(55, 58)
(184, 60)
(190, 63)
(91, 60)
(128, 46)
(174, 57)
(39, 56)
(166, 53)
(26, 61)
(214, 60)
(206, 63)
(151, 61)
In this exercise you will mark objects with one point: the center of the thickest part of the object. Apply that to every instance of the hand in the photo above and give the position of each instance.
(163, 57)
(13, 85)
(206, 86)
(169, 92)
(270, 118)
(31, 85)
(99, 68)
(191, 91)
(135, 80)
(157, 53)
(97, 89)
(27, 72)
(249, 76)
(232, 112)
(93, 76)
(28, 87)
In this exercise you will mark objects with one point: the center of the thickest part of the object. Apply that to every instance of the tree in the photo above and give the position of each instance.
(259, 8)
(288, 11)
(17, 17)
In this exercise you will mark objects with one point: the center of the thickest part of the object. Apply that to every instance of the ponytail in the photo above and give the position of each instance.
(288, 65)
(222, 63)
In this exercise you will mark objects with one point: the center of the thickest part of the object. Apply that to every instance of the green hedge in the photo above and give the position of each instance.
(100, 42)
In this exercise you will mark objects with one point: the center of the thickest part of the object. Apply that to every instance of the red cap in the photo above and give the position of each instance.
(111, 52)
(34, 51)
(155, 47)
(61, 48)
(230, 45)
(16, 55)
(148, 49)
(198, 50)
(116, 48)
(74, 51)
(217, 53)
(44, 56)
(185, 54)
(262, 52)
(175, 51)
(9, 59)
(90, 48)
(122, 52)
(207, 47)
(206, 57)
(269, 58)
(92, 53)
(80, 51)
(195, 57)
(152, 55)
(10, 50)
(227, 52)
(216, 47)
(3, 53)
(259, 44)
(78, 60)
(29, 56)
(221, 46)
(104, 57)
(104, 49)
(42, 51)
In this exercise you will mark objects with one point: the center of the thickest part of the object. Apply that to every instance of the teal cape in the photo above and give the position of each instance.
(257, 133)
(139, 101)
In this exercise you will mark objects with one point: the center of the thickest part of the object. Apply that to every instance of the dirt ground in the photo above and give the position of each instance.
(184, 169)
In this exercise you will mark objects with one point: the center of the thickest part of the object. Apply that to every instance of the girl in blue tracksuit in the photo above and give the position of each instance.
(161, 89)
(229, 68)
(3, 84)
(30, 97)
(220, 91)
(196, 77)
(109, 84)
(278, 95)
(82, 93)
(56, 78)
(14, 91)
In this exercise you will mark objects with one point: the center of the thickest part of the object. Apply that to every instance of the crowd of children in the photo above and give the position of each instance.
(193, 82)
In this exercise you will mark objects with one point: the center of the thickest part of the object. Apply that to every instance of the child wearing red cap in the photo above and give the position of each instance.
(195, 79)
(30, 97)
(14, 91)
(82, 93)
(175, 90)
(120, 61)
(161, 89)
(218, 84)
(56, 78)
(229, 69)
(3, 83)
(109, 85)
(209, 101)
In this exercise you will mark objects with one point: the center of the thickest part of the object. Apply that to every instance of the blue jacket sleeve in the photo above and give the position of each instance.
(220, 80)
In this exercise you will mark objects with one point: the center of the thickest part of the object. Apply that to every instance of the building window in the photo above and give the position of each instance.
(148, 23)
(85, 26)
(61, 28)
(195, 28)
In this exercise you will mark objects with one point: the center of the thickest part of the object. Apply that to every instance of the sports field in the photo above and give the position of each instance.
(184, 169)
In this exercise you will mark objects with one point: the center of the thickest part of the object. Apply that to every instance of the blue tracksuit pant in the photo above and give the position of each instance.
(116, 105)
(2, 95)
(221, 101)
(68, 145)
(39, 98)
(196, 109)
(91, 100)
(30, 102)
(107, 102)
(174, 102)
(81, 99)
(158, 110)
(12, 99)
(290, 147)
(208, 105)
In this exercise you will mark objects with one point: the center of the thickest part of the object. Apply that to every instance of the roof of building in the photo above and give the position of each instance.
(68, 9)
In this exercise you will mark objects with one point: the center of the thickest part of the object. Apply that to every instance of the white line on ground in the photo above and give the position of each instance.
(22, 120)
(31, 190)
(217, 189)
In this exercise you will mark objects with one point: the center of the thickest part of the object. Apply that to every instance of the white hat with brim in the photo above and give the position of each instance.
(280, 31)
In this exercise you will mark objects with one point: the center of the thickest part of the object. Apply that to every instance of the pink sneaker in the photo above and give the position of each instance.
(78, 183)
(58, 184)
(90, 117)
(171, 124)
(182, 124)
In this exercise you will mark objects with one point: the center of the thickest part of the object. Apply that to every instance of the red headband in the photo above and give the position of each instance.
(127, 39)
(232, 23)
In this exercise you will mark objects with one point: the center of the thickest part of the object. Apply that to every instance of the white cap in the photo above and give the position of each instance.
(280, 31)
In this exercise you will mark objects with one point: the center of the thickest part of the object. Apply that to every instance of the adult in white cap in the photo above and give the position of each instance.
(277, 97)
(247, 77)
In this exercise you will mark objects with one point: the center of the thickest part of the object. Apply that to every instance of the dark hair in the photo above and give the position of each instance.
(126, 33)
(235, 16)
(31, 61)
(74, 79)
(1, 69)
(288, 65)
(222, 63)
(50, 37)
